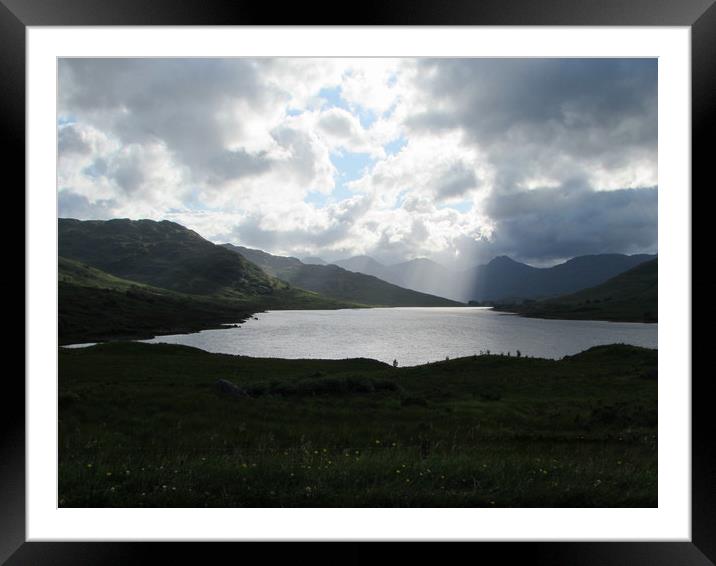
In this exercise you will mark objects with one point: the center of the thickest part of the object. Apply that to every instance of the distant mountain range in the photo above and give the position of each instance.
(630, 296)
(136, 277)
(504, 278)
(364, 264)
(499, 280)
(337, 283)
(421, 274)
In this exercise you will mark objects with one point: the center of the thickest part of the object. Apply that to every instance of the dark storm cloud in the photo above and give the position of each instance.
(556, 223)
(568, 120)
(528, 113)
(489, 98)
(455, 182)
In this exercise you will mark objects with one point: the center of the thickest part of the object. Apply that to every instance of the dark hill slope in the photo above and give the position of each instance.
(338, 283)
(94, 306)
(123, 278)
(631, 296)
(163, 254)
(503, 278)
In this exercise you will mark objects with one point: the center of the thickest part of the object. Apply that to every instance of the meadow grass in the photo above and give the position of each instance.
(142, 425)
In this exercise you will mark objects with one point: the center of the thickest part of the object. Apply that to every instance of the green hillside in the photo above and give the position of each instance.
(338, 283)
(163, 254)
(631, 296)
(95, 306)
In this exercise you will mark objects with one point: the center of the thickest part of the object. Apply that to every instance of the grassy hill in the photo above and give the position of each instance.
(142, 425)
(629, 297)
(338, 283)
(163, 254)
(137, 279)
(95, 306)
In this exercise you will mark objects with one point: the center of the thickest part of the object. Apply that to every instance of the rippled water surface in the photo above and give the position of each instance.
(410, 335)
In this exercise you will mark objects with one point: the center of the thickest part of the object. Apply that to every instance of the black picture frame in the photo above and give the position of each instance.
(16, 15)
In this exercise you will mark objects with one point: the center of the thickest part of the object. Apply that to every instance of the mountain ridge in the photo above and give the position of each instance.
(631, 296)
(163, 254)
(338, 283)
(139, 278)
(502, 278)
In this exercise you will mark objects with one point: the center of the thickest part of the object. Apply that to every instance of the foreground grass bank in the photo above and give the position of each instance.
(142, 425)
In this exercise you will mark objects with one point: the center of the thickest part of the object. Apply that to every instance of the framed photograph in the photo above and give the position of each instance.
(391, 279)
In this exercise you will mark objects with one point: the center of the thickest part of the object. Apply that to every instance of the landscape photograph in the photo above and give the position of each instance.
(357, 282)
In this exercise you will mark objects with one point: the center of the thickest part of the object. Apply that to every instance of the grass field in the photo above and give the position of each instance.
(142, 425)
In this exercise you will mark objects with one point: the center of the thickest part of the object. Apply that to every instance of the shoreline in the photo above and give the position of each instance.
(458, 359)
(559, 316)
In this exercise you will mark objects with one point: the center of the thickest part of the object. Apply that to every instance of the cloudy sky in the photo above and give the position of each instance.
(459, 160)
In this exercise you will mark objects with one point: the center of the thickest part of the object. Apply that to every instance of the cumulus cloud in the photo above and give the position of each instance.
(71, 141)
(548, 117)
(540, 159)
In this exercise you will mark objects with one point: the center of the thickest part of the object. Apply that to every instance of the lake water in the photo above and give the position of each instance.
(410, 335)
